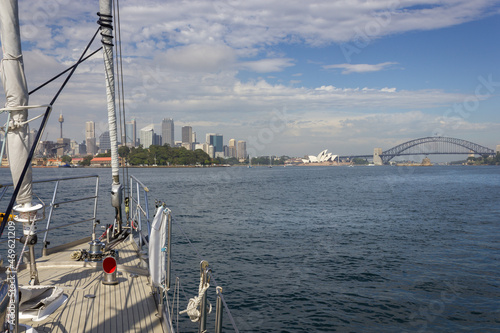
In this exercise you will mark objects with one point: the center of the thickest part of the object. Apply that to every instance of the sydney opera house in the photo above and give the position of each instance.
(321, 158)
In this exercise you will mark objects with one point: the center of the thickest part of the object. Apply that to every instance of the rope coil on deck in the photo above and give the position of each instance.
(194, 303)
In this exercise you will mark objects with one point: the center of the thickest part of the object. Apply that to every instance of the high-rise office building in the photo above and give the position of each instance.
(91, 146)
(89, 129)
(90, 138)
(147, 136)
(231, 148)
(211, 151)
(242, 150)
(167, 131)
(131, 133)
(215, 140)
(187, 135)
(104, 142)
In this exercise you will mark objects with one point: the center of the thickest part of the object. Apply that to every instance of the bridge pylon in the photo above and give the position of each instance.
(377, 160)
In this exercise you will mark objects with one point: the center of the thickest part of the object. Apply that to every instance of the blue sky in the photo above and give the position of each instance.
(291, 77)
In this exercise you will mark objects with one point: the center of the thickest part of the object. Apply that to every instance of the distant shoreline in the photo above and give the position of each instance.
(227, 166)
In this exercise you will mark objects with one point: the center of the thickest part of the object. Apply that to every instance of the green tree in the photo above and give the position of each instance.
(86, 160)
(124, 151)
(360, 161)
(66, 159)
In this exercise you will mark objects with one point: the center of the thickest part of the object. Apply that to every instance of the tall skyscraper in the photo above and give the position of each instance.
(147, 136)
(187, 135)
(131, 132)
(232, 148)
(215, 140)
(90, 138)
(104, 142)
(242, 150)
(89, 129)
(167, 131)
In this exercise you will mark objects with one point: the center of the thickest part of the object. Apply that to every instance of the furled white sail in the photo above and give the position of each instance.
(107, 32)
(16, 92)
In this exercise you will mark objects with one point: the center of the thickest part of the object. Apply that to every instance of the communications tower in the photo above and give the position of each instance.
(61, 120)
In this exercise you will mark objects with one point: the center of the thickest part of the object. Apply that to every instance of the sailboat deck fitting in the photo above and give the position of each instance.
(92, 306)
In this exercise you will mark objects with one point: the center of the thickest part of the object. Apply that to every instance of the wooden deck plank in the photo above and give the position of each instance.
(125, 307)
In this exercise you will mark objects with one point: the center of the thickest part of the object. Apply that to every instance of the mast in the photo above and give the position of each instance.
(16, 93)
(105, 21)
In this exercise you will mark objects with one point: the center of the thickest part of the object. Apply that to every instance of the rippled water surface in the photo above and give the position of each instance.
(321, 249)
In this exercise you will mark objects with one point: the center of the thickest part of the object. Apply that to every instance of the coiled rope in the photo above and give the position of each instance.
(194, 303)
(228, 312)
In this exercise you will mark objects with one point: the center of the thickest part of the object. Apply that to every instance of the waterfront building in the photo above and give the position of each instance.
(147, 136)
(321, 158)
(242, 150)
(167, 132)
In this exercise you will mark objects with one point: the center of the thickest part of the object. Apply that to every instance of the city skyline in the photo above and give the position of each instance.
(286, 83)
(214, 143)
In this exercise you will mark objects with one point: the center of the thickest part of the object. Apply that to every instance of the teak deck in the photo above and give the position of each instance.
(125, 307)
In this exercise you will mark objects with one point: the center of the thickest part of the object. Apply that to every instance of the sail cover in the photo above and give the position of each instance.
(157, 241)
(16, 94)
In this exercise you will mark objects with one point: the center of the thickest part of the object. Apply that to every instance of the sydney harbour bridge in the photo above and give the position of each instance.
(434, 145)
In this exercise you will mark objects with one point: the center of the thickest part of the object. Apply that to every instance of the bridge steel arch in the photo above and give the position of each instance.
(445, 145)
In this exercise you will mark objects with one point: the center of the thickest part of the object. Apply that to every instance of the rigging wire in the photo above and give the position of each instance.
(121, 91)
(63, 72)
(117, 77)
(38, 135)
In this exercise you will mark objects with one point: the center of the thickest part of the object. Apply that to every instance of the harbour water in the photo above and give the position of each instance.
(322, 249)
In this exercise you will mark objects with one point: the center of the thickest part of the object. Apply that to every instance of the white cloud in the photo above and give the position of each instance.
(360, 68)
(200, 58)
(182, 60)
(266, 65)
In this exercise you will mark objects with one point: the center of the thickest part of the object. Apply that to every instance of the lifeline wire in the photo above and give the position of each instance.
(211, 276)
